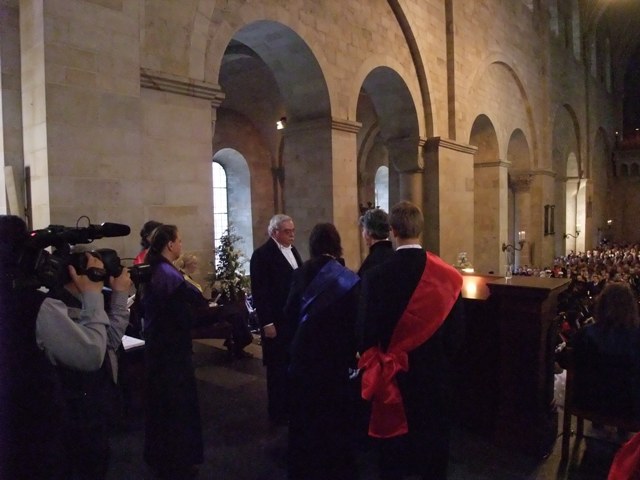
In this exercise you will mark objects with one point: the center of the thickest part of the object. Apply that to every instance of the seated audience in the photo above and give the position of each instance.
(236, 315)
(607, 354)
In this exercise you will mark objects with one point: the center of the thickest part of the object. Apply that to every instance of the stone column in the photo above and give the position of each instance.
(448, 198)
(521, 186)
(491, 194)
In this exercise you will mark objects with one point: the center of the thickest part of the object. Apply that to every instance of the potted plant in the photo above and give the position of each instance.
(228, 278)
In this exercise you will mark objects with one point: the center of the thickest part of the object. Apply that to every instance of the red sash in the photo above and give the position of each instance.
(431, 302)
(626, 463)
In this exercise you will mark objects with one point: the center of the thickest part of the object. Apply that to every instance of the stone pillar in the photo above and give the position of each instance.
(491, 192)
(11, 156)
(574, 212)
(582, 216)
(542, 195)
(177, 118)
(448, 198)
(521, 186)
(81, 111)
(345, 187)
(308, 177)
(34, 109)
(411, 186)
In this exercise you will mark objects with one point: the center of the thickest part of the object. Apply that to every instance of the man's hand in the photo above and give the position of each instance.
(121, 283)
(270, 331)
(82, 282)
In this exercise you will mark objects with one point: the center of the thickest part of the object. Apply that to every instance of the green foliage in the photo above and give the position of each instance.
(228, 278)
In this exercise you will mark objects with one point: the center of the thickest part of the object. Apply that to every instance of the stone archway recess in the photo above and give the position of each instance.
(301, 159)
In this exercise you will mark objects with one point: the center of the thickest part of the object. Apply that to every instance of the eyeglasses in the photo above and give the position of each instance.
(288, 231)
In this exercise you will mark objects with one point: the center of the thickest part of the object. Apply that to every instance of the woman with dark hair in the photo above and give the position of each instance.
(145, 234)
(607, 354)
(172, 307)
(321, 310)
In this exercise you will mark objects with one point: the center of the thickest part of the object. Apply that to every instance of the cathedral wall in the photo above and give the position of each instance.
(99, 144)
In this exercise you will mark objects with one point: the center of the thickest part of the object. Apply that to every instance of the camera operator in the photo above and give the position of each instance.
(52, 354)
(79, 339)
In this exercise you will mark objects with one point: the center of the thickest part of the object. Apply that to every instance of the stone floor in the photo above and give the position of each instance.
(239, 444)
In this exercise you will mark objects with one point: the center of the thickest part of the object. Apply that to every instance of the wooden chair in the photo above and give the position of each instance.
(572, 408)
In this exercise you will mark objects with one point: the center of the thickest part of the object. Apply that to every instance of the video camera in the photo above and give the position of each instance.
(37, 267)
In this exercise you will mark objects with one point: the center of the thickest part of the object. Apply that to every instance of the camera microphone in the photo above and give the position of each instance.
(108, 229)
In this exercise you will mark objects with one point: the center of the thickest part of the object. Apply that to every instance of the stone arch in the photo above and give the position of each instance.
(489, 190)
(238, 196)
(521, 111)
(268, 73)
(425, 122)
(389, 136)
(396, 115)
(294, 66)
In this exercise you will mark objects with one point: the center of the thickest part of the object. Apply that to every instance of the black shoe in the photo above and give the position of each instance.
(243, 354)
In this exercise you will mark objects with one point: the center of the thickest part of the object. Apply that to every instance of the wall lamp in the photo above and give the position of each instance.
(567, 235)
(280, 124)
(521, 242)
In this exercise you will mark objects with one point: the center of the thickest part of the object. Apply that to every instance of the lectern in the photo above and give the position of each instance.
(504, 374)
(526, 308)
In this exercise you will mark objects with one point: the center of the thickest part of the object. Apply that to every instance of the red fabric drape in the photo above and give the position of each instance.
(431, 302)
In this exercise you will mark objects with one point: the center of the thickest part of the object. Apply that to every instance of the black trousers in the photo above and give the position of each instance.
(278, 391)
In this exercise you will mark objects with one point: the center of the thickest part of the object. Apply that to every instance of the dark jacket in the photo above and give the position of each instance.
(270, 282)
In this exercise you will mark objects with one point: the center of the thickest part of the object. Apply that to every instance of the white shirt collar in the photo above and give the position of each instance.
(412, 245)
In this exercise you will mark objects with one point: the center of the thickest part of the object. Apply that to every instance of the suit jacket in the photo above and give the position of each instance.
(270, 282)
(386, 291)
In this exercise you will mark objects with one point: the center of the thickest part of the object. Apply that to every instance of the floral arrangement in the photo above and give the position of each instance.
(228, 279)
(463, 261)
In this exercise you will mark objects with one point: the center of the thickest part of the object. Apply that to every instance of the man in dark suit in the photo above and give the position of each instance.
(375, 233)
(271, 267)
(409, 327)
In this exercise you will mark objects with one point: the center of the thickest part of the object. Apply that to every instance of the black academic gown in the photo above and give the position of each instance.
(322, 350)
(379, 252)
(425, 389)
(173, 430)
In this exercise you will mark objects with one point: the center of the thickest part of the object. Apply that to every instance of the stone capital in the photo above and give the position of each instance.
(520, 183)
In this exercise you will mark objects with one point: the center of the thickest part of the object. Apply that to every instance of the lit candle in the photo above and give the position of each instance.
(577, 229)
(521, 236)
